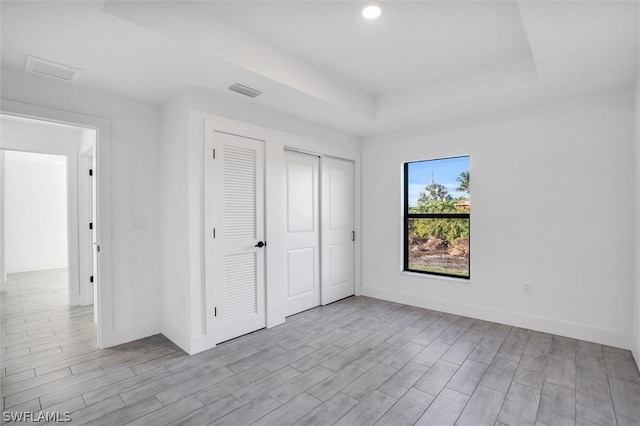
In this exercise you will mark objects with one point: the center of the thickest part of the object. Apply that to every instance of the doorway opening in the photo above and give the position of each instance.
(48, 262)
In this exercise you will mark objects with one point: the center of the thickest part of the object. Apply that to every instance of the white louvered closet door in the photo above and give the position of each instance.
(239, 225)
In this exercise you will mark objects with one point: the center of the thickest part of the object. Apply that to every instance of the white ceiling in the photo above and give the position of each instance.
(412, 44)
(422, 62)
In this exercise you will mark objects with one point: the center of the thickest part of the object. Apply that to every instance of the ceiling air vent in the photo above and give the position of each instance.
(51, 69)
(244, 90)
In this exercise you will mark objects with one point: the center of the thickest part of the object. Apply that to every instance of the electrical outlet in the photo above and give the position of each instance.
(527, 288)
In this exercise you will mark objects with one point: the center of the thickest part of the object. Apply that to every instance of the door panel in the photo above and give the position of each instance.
(337, 230)
(236, 180)
(301, 272)
(303, 232)
(341, 264)
(340, 200)
(302, 194)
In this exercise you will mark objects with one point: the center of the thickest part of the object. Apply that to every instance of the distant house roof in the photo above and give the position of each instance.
(464, 204)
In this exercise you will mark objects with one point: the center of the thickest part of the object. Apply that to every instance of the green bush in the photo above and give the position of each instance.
(436, 199)
(445, 229)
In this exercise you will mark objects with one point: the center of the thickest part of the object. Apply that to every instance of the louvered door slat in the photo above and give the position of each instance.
(239, 192)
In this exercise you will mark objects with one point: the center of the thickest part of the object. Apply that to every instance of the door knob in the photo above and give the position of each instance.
(261, 244)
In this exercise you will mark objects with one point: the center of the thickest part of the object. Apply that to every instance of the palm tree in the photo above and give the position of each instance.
(463, 179)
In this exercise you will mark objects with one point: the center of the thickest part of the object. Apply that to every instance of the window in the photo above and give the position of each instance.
(437, 211)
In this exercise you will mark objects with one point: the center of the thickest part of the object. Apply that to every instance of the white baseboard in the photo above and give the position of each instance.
(196, 344)
(191, 345)
(176, 336)
(124, 335)
(33, 268)
(548, 325)
(199, 344)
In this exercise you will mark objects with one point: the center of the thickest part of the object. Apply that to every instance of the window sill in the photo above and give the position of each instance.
(437, 277)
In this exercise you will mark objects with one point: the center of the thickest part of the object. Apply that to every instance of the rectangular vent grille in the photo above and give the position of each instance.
(51, 69)
(245, 90)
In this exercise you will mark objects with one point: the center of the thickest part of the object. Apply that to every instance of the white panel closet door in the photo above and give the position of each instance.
(337, 230)
(236, 178)
(303, 232)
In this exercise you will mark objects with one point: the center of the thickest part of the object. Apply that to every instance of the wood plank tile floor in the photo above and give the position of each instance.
(360, 361)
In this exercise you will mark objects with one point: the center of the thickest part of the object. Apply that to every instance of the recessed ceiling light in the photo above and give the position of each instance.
(372, 10)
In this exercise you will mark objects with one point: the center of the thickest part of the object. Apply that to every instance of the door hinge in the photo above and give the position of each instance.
(91, 279)
(353, 235)
(90, 225)
(214, 232)
(90, 172)
(214, 154)
(215, 312)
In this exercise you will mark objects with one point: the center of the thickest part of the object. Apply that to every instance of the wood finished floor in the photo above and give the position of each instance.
(360, 361)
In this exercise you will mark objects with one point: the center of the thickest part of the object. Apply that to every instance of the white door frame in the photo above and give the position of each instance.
(105, 335)
(3, 270)
(85, 234)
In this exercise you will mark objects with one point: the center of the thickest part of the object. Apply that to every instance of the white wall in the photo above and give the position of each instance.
(183, 120)
(553, 204)
(35, 211)
(3, 269)
(174, 223)
(636, 297)
(135, 176)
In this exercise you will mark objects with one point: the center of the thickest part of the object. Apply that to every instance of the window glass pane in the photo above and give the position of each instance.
(439, 245)
(439, 186)
(438, 208)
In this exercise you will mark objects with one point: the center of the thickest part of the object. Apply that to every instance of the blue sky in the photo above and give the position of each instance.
(445, 171)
